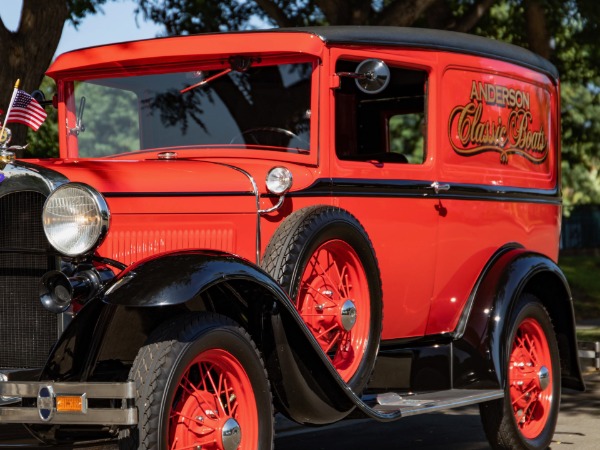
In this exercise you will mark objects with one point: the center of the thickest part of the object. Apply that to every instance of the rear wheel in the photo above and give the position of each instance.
(323, 257)
(201, 384)
(526, 417)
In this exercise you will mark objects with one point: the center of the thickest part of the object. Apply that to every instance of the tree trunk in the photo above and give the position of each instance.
(28, 51)
(537, 31)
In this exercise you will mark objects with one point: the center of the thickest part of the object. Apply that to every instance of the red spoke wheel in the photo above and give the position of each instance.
(323, 257)
(333, 300)
(214, 406)
(529, 379)
(526, 417)
(200, 383)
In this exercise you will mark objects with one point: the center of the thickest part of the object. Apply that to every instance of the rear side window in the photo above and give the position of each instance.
(390, 126)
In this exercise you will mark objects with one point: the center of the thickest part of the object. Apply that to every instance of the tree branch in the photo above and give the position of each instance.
(332, 9)
(471, 17)
(402, 12)
(275, 12)
(537, 30)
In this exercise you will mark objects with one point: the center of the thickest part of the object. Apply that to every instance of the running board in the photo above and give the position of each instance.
(414, 404)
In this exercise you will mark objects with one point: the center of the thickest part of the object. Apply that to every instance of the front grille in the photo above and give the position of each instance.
(27, 330)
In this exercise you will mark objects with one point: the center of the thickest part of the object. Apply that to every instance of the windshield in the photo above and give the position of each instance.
(266, 106)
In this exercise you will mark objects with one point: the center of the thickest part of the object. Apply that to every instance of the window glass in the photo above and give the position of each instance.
(389, 126)
(263, 106)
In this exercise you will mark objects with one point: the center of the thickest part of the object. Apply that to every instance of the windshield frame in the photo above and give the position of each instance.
(68, 107)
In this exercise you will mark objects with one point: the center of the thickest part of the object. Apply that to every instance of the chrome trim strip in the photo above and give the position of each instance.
(97, 416)
(103, 390)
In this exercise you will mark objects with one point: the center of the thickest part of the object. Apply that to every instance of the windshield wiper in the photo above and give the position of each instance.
(205, 81)
(238, 63)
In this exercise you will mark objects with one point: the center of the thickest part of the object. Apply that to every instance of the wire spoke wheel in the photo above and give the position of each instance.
(214, 406)
(333, 299)
(529, 378)
(526, 417)
(322, 256)
(200, 384)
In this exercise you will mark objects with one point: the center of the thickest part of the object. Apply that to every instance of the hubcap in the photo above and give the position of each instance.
(544, 377)
(348, 315)
(231, 435)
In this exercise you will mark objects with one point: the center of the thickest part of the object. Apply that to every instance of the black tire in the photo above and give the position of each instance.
(521, 421)
(201, 348)
(328, 232)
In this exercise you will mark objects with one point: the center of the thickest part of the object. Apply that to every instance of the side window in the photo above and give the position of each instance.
(386, 127)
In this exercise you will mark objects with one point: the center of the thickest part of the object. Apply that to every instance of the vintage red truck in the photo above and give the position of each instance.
(318, 222)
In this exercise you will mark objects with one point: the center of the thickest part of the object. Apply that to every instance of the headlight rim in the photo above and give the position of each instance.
(103, 212)
(287, 174)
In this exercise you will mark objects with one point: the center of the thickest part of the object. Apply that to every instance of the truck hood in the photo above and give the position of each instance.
(122, 177)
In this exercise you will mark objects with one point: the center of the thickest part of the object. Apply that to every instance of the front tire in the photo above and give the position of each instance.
(200, 383)
(526, 417)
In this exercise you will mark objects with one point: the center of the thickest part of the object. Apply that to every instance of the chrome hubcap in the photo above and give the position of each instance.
(544, 377)
(348, 315)
(231, 434)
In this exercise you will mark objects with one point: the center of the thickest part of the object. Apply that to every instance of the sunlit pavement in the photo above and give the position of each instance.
(578, 428)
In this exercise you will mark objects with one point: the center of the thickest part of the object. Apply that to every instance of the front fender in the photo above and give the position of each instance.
(305, 385)
(179, 277)
(512, 272)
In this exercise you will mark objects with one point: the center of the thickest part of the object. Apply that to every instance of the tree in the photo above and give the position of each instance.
(28, 51)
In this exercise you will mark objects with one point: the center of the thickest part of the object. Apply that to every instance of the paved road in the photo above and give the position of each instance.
(578, 428)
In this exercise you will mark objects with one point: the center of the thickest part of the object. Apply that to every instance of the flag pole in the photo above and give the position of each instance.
(10, 105)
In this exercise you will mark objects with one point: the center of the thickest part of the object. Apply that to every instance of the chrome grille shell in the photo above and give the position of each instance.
(27, 330)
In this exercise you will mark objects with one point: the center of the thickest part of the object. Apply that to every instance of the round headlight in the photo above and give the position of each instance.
(76, 219)
(279, 180)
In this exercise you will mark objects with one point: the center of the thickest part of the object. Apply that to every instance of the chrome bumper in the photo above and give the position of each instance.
(46, 411)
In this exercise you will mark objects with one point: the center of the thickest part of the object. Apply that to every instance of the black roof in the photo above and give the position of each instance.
(449, 41)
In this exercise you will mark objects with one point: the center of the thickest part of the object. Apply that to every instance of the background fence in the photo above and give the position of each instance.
(582, 228)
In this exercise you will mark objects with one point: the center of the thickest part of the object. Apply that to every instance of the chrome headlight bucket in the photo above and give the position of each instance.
(279, 180)
(76, 219)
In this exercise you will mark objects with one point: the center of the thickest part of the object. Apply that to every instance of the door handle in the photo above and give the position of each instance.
(437, 187)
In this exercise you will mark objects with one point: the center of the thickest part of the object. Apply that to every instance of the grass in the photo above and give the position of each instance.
(591, 334)
(583, 273)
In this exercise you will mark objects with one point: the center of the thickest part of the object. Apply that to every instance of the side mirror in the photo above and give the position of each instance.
(372, 76)
(41, 98)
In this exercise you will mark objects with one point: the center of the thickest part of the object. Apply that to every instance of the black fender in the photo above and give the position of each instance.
(482, 331)
(306, 387)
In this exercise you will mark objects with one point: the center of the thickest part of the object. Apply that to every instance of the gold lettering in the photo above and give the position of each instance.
(474, 94)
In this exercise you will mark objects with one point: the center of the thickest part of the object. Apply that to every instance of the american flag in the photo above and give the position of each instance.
(26, 110)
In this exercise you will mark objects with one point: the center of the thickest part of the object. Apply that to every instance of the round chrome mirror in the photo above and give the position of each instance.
(374, 76)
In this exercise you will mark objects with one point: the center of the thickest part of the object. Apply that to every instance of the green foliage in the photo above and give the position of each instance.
(573, 28)
(78, 9)
(407, 136)
(580, 143)
(110, 119)
(44, 142)
(582, 272)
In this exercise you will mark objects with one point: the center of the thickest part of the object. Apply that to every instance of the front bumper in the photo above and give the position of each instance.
(68, 403)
